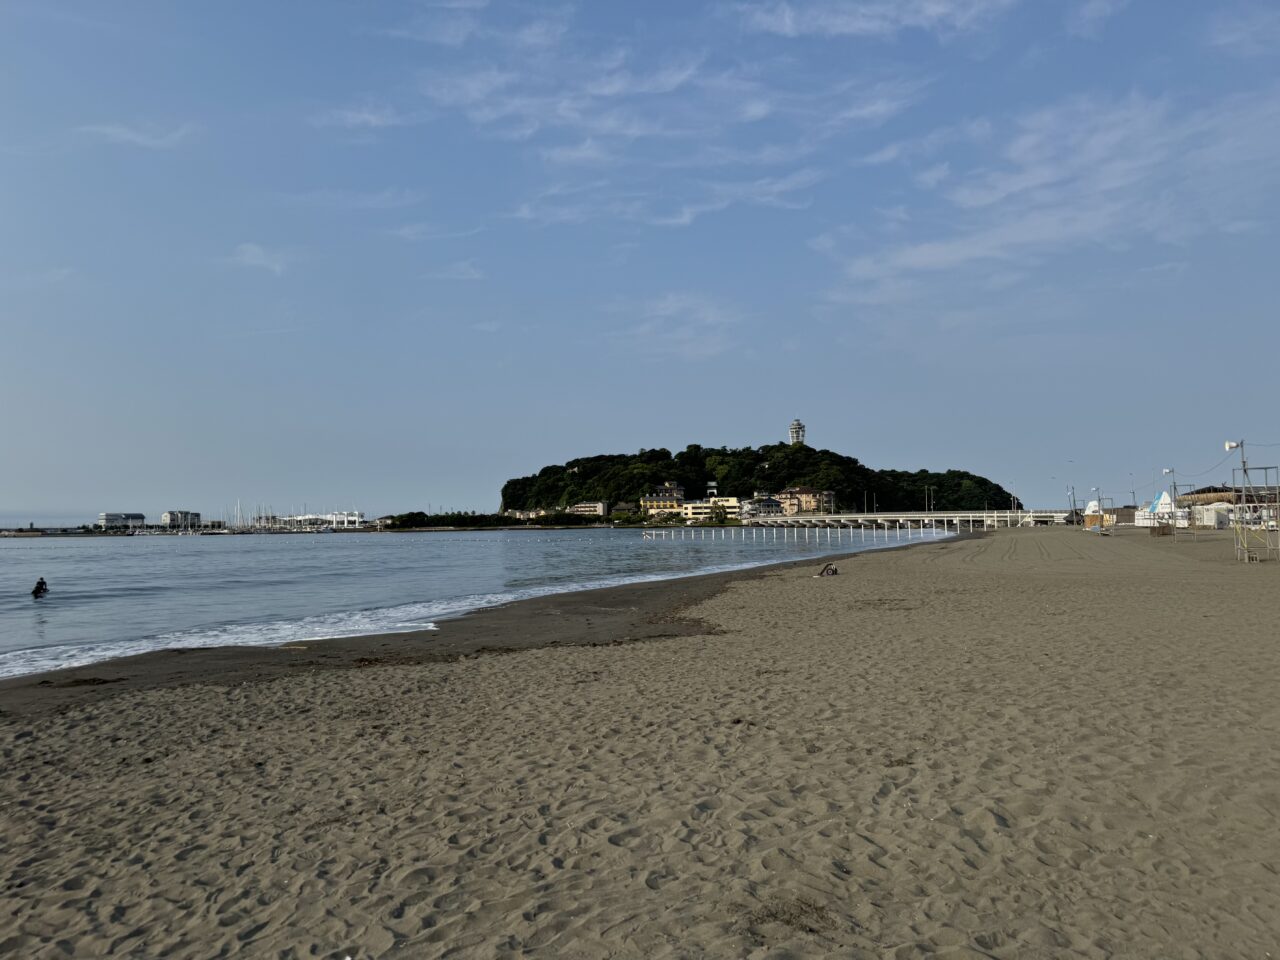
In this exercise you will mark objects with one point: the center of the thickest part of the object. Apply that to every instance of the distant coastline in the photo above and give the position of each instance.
(94, 534)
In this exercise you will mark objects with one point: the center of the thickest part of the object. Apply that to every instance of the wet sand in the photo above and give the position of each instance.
(1039, 743)
(606, 616)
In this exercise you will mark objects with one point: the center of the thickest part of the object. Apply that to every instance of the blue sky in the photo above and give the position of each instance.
(387, 255)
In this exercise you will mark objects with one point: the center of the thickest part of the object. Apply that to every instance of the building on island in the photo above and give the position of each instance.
(789, 503)
(624, 507)
(590, 508)
(121, 521)
(180, 519)
(797, 432)
(525, 514)
(670, 499)
(701, 511)
(797, 500)
(761, 505)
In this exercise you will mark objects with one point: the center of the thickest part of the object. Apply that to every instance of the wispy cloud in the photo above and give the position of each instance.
(768, 192)
(931, 177)
(542, 33)
(876, 102)
(666, 131)
(1093, 172)
(581, 202)
(725, 155)
(587, 151)
(258, 257)
(624, 83)
(457, 25)
(1164, 269)
(150, 138)
(444, 26)
(1087, 18)
(1085, 143)
(1248, 31)
(368, 117)
(388, 199)
(467, 89)
(263, 332)
(448, 31)
(459, 270)
(601, 111)
(684, 326)
(668, 107)
(415, 232)
(578, 202)
(35, 278)
(868, 18)
(971, 131)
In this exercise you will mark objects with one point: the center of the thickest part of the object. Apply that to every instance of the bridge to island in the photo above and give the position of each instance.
(900, 525)
(948, 519)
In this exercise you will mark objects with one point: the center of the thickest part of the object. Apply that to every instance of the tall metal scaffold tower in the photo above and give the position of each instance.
(1257, 511)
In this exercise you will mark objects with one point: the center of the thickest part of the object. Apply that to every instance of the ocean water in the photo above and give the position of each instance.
(115, 596)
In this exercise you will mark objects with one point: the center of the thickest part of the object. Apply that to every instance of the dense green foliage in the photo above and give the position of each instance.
(417, 520)
(742, 472)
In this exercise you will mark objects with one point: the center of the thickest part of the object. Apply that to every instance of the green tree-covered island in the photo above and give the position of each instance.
(824, 480)
(743, 472)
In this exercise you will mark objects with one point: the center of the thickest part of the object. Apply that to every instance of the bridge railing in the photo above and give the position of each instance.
(988, 518)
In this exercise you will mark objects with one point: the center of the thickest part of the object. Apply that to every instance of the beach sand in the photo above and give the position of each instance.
(1039, 743)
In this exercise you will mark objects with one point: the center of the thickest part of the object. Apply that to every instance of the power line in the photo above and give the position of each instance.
(1219, 463)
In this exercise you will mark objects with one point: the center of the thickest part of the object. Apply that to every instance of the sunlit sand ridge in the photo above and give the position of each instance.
(1036, 744)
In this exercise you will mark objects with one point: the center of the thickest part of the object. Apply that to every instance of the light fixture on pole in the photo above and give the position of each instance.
(1257, 508)
(1238, 518)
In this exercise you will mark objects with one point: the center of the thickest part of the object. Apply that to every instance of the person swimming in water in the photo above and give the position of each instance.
(40, 589)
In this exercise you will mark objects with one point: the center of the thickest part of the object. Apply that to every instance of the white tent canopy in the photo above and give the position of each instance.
(1160, 512)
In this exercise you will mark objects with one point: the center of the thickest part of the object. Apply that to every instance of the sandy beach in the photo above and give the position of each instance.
(1034, 744)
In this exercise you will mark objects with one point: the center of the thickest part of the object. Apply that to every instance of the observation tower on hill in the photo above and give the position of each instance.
(797, 432)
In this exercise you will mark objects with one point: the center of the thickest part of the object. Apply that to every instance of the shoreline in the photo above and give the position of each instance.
(601, 616)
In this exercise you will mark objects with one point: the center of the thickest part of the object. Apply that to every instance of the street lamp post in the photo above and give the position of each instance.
(1173, 505)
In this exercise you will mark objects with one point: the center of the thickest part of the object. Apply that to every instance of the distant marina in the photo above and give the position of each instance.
(192, 523)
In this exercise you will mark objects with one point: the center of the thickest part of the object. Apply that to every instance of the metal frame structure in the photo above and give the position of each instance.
(1257, 510)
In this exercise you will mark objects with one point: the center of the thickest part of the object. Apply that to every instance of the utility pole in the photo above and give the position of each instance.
(1173, 503)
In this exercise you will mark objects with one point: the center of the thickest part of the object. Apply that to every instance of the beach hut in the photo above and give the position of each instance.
(1095, 518)
(1212, 516)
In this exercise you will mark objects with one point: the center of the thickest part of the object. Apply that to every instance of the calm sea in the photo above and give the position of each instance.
(114, 596)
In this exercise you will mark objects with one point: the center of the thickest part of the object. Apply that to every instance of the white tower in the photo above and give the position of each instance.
(797, 432)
